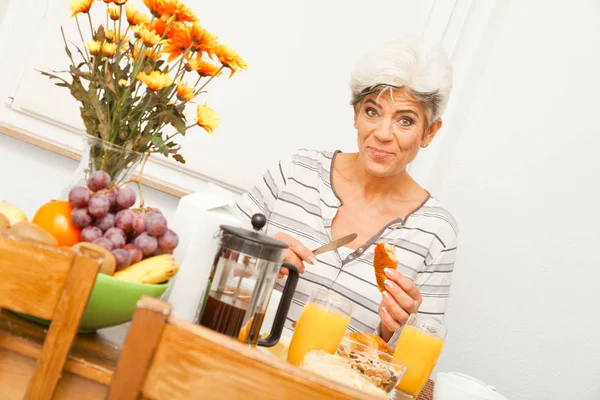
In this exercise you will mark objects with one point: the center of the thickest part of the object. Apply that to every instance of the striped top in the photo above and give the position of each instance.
(297, 197)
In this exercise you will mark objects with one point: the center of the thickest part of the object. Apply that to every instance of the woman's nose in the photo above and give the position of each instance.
(385, 131)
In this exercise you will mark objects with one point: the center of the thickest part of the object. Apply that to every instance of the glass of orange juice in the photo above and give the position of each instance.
(321, 326)
(418, 348)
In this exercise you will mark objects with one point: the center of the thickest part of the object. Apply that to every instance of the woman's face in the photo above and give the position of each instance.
(391, 129)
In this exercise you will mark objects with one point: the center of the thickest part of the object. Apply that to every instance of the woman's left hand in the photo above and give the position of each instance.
(400, 299)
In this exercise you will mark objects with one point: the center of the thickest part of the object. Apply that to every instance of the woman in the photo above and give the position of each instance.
(399, 92)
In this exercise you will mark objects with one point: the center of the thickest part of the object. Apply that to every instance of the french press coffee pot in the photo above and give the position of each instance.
(241, 281)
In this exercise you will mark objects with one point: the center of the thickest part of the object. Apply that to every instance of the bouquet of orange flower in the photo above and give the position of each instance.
(132, 76)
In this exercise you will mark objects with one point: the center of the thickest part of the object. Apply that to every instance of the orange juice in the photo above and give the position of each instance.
(318, 328)
(419, 351)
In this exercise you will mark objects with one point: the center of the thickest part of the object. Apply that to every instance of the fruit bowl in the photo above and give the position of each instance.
(112, 302)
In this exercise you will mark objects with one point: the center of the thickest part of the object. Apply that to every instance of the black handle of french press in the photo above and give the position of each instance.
(284, 306)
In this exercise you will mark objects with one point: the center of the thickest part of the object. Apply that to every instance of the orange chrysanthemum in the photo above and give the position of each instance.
(137, 29)
(94, 47)
(114, 13)
(179, 11)
(185, 92)
(135, 17)
(80, 6)
(202, 39)
(207, 118)
(155, 80)
(119, 2)
(109, 49)
(179, 41)
(202, 67)
(159, 26)
(110, 35)
(151, 53)
(149, 38)
(229, 58)
(156, 7)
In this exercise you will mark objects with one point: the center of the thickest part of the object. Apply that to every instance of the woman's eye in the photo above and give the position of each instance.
(405, 122)
(371, 112)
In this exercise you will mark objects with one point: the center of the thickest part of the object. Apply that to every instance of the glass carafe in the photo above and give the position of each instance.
(241, 282)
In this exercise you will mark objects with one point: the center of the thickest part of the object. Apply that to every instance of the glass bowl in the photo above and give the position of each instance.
(377, 366)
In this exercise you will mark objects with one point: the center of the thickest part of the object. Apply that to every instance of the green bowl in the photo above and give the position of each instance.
(112, 302)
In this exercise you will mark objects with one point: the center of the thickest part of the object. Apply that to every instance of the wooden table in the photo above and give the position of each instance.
(89, 368)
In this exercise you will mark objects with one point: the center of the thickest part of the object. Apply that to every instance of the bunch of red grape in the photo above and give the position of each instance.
(104, 215)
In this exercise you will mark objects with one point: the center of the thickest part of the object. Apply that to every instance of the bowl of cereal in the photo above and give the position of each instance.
(377, 366)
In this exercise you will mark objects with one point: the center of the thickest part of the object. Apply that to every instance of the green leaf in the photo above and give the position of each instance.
(67, 50)
(179, 158)
(104, 129)
(80, 53)
(109, 82)
(177, 122)
(160, 145)
(78, 92)
(52, 76)
(100, 35)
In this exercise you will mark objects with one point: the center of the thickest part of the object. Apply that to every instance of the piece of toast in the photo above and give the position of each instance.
(370, 340)
(385, 257)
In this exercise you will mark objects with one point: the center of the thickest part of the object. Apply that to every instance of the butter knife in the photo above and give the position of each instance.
(335, 244)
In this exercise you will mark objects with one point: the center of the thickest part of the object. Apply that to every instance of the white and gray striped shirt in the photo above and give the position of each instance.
(298, 199)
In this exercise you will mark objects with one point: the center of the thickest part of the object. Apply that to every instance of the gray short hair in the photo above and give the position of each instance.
(424, 71)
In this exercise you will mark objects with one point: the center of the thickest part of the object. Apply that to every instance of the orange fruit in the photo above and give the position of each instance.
(55, 218)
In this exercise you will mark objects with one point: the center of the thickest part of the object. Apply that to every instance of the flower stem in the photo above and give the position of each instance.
(139, 178)
(91, 25)
(120, 18)
(210, 79)
(82, 41)
(66, 46)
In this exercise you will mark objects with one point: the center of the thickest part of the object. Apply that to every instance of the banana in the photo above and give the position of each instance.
(155, 269)
(12, 213)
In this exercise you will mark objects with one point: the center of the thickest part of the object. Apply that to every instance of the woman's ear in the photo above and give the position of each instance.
(430, 133)
(355, 117)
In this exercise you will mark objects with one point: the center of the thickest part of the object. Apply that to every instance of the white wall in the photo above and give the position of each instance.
(252, 135)
(3, 7)
(524, 313)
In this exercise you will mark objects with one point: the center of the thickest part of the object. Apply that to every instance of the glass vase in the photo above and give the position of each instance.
(98, 155)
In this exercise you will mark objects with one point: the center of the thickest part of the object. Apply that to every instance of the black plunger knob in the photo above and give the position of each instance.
(258, 221)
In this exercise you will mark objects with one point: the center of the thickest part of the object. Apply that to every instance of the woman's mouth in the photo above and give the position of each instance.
(379, 153)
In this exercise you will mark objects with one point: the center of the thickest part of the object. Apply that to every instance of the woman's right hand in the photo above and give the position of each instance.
(296, 253)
